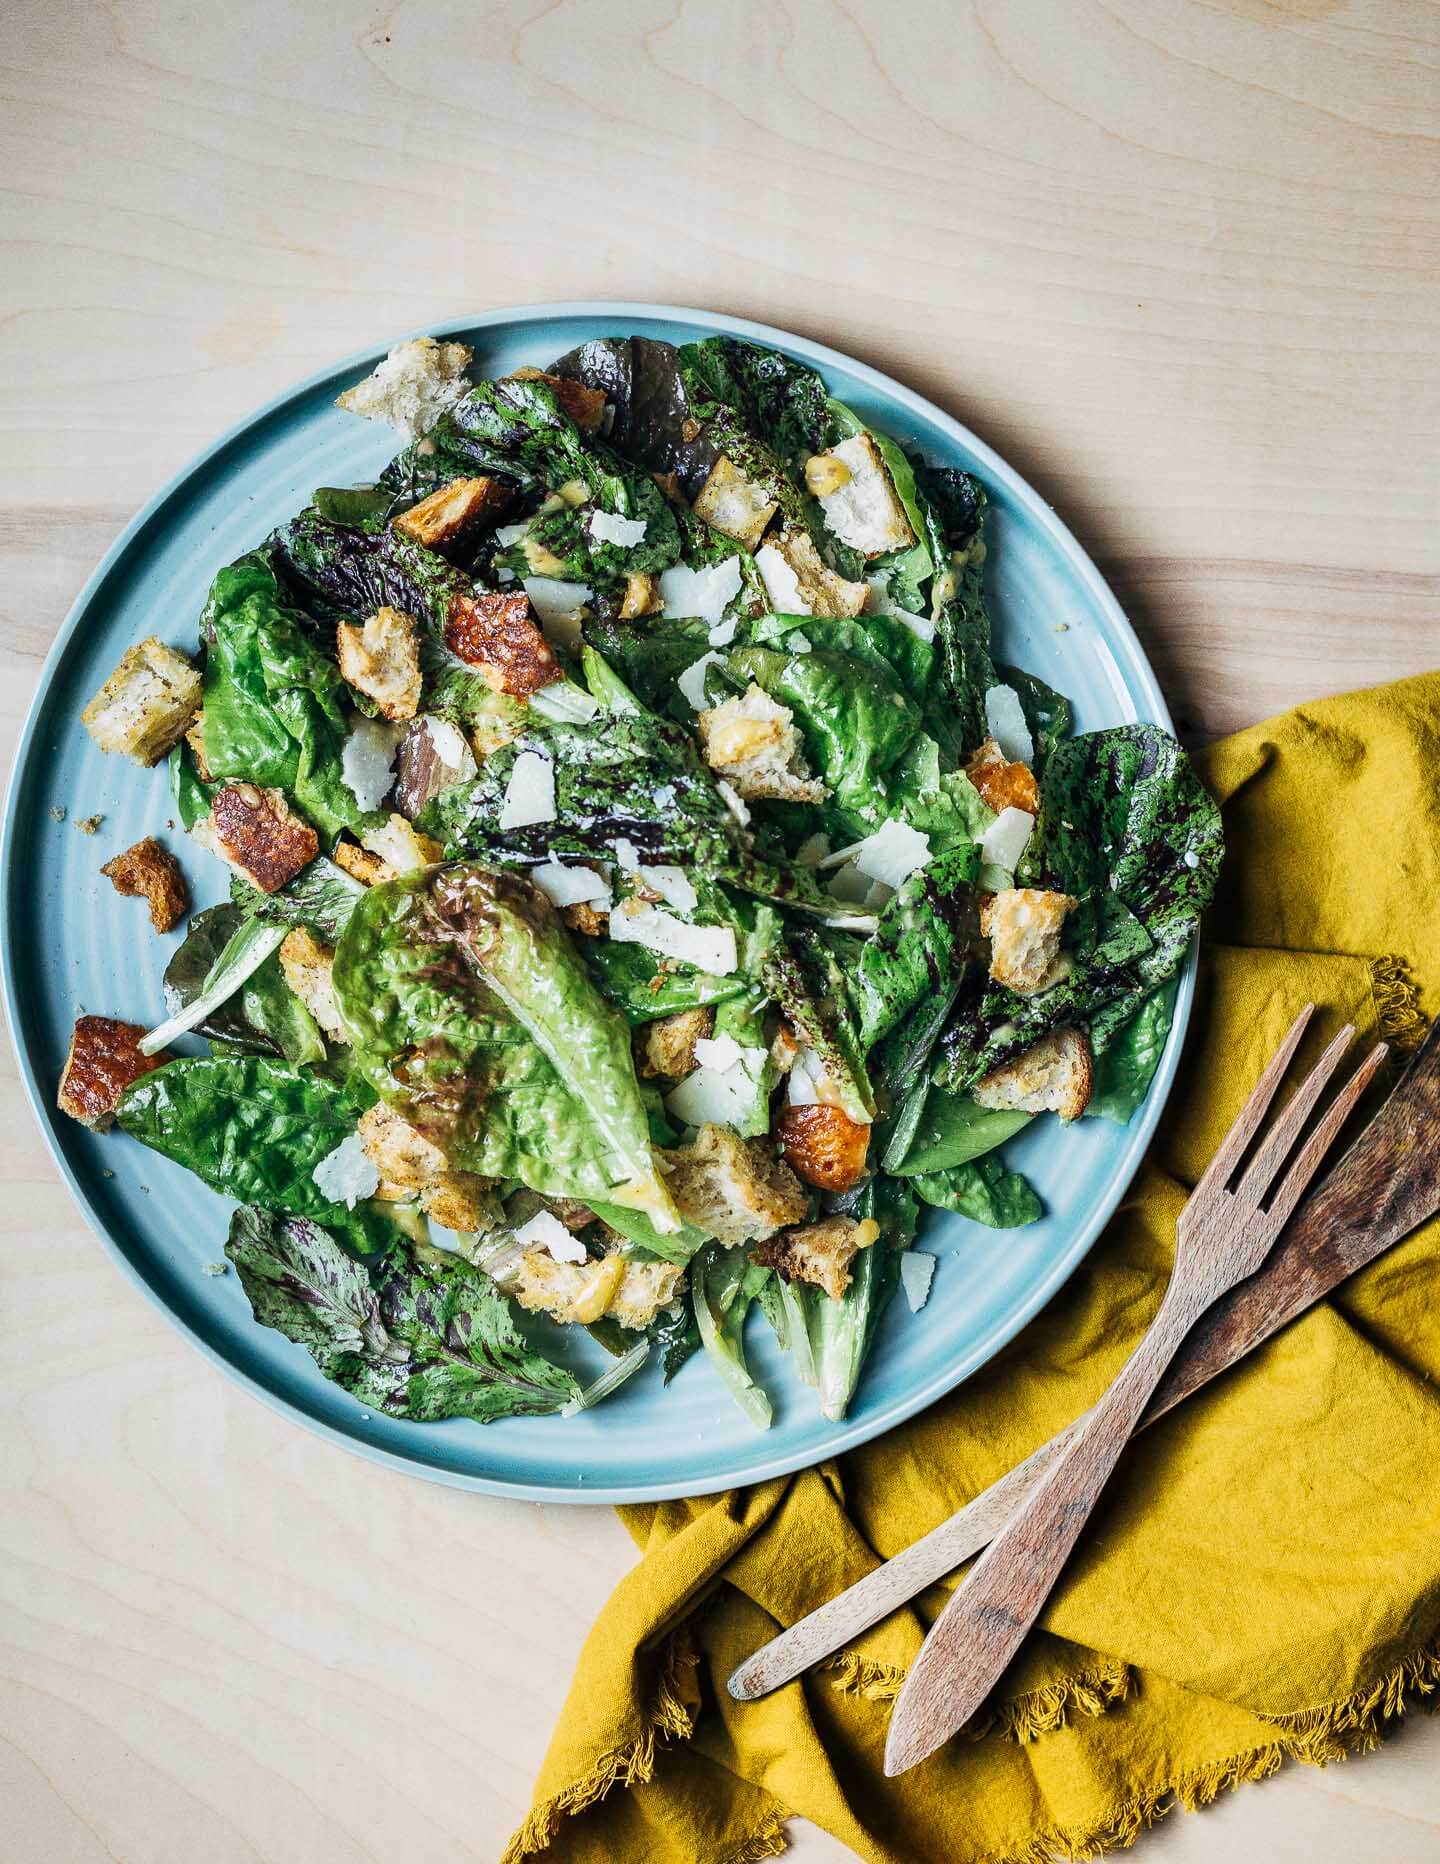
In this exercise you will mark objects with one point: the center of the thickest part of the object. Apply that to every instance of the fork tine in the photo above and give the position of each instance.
(1312, 1153)
(1232, 1146)
(1262, 1170)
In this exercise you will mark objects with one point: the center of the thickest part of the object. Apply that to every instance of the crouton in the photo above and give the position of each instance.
(752, 741)
(1054, 1075)
(401, 846)
(798, 581)
(861, 506)
(631, 1293)
(824, 1145)
(1023, 925)
(257, 833)
(104, 1059)
(369, 869)
(584, 406)
(382, 660)
(667, 1047)
(307, 964)
(819, 1253)
(499, 636)
(455, 512)
(731, 503)
(1003, 785)
(734, 1188)
(413, 386)
(153, 871)
(147, 704)
(642, 597)
(586, 917)
(414, 1170)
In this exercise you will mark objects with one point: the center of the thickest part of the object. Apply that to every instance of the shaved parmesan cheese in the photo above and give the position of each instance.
(366, 759)
(545, 1231)
(1005, 717)
(672, 886)
(723, 633)
(853, 888)
(1004, 841)
(347, 1173)
(708, 948)
(782, 585)
(564, 703)
(692, 681)
(893, 853)
(812, 851)
(712, 1097)
(507, 534)
(448, 742)
(610, 529)
(721, 1053)
(806, 1074)
(570, 886)
(558, 604)
(733, 800)
(530, 793)
(700, 594)
(627, 855)
(798, 643)
(917, 1271)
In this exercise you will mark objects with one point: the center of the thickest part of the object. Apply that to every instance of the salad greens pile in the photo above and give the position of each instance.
(691, 899)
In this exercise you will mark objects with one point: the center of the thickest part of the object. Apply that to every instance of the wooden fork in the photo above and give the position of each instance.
(1223, 1236)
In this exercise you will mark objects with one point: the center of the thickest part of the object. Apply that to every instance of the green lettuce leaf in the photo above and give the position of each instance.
(983, 1190)
(254, 1129)
(1126, 1060)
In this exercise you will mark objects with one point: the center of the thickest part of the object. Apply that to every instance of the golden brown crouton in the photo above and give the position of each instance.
(1023, 925)
(413, 386)
(1054, 1075)
(1003, 785)
(586, 917)
(826, 1147)
(731, 503)
(413, 1169)
(257, 833)
(667, 1047)
(153, 871)
(382, 660)
(800, 582)
(820, 1253)
(752, 741)
(401, 846)
(499, 636)
(104, 1059)
(857, 500)
(307, 966)
(455, 512)
(734, 1188)
(642, 596)
(631, 1293)
(147, 704)
(369, 869)
(584, 406)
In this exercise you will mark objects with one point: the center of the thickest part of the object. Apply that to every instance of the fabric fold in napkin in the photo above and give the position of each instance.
(1262, 1578)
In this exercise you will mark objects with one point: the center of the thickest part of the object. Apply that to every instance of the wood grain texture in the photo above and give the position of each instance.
(1175, 258)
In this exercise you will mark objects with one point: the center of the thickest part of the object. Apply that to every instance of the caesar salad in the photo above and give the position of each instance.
(648, 894)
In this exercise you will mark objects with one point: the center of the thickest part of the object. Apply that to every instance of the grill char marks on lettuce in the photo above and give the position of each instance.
(1125, 826)
(423, 1340)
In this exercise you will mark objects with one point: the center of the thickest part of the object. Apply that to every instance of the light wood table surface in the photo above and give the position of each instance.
(1175, 258)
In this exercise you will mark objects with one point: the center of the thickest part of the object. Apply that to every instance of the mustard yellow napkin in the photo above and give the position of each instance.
(1263, 1577)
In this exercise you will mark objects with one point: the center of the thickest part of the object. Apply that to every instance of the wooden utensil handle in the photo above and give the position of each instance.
(986, 1621)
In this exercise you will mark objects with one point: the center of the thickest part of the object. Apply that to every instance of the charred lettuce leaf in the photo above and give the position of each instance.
(1127, 827)
(424, 1340)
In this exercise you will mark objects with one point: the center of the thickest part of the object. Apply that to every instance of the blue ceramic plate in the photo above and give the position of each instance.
(71, 944)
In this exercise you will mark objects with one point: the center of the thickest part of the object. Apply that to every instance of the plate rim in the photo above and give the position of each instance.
(1124, 644)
